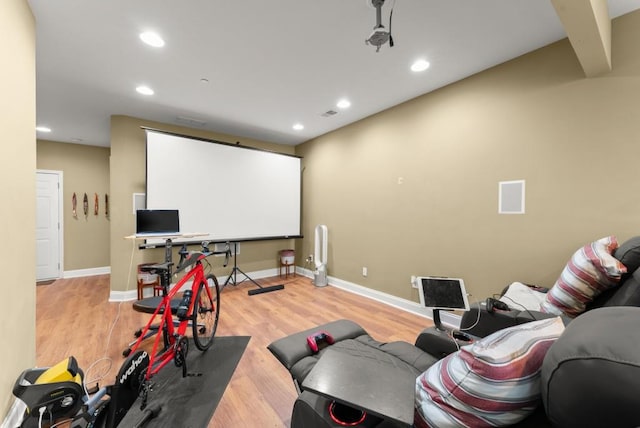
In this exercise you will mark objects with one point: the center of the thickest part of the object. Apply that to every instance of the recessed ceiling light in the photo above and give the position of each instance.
(420, 65)
(344, 103)
(43, 129)
(152, 39)
(204, 80)
(298, 127)
(144, 90)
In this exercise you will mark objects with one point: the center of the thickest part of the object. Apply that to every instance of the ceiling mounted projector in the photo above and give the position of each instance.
(380, 35)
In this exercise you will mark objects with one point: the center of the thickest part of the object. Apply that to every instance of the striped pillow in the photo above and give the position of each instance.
(492, 382)
(591, 270)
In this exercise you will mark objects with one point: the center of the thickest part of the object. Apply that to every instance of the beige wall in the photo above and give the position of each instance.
(85, 170)
(128, 177)
(574, 140)
(17, 210)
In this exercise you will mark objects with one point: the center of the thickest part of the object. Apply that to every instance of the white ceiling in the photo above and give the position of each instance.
(269, 64)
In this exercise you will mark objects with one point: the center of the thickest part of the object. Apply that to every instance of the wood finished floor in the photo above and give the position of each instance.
(75, 318)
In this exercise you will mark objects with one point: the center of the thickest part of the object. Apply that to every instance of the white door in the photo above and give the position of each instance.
(48, 224)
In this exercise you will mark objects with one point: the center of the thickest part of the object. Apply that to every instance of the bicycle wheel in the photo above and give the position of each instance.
(206, 310)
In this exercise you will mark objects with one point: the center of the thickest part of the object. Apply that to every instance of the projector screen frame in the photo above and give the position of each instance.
(230, 238)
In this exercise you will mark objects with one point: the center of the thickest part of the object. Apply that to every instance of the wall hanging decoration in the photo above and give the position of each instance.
(106, 205)
(74, 205)
(85, 205)
(95, 204)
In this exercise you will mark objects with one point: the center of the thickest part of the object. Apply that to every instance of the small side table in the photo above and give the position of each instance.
(287, 269)
(144, 282)
(286, 260)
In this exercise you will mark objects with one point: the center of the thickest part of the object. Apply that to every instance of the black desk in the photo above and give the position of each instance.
(365, 384)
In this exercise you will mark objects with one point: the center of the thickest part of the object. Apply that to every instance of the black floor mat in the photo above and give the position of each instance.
(190, 402)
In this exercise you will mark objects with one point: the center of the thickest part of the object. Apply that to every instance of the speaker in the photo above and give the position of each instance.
(511, 197)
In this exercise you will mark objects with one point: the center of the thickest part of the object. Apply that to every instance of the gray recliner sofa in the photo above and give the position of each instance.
(311, 410)
(598, 352)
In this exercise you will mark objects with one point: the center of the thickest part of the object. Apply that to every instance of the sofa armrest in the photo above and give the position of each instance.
(291, 349)
(481, 323)
(439, 343)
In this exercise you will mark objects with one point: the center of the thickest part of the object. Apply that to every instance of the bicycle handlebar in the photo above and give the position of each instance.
(187, 258)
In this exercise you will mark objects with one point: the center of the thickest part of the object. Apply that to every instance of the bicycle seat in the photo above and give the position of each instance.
(160, 267)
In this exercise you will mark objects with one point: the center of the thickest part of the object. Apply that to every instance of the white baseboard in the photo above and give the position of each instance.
(123, 296)
(86, 272)
(447, 318)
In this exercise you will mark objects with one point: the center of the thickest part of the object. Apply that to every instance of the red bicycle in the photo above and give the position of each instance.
(199, 308)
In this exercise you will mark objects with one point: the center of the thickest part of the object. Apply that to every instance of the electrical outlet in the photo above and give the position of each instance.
(414, 282)
(364, 271)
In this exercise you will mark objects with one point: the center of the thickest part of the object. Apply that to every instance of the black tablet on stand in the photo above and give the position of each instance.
(442, 293)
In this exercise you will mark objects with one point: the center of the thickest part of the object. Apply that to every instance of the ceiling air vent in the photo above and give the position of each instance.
(190, 121)
(329, 113)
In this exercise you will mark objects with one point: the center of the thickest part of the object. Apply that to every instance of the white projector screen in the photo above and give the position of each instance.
(230, 192)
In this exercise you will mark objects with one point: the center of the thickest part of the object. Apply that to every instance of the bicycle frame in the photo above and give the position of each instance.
(166, 327)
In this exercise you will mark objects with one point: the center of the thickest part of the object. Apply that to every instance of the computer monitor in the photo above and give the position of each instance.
(157, 223)
(443, 293)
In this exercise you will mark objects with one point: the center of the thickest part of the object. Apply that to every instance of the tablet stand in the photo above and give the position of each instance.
(436, 319)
